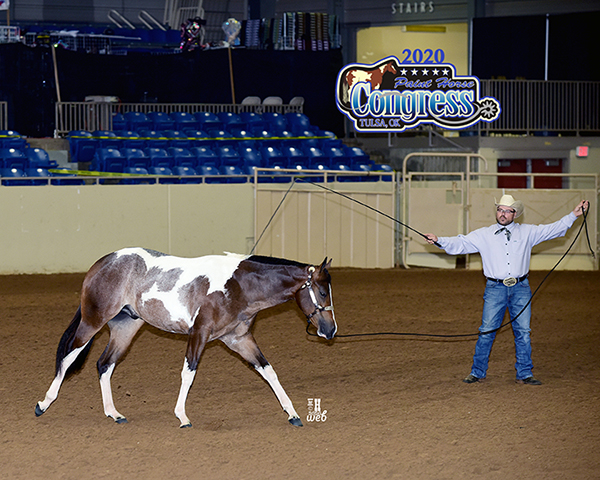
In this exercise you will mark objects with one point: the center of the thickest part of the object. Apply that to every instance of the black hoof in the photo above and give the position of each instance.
(296, 422)
(121, 420)
(38, 410)
(187, 425)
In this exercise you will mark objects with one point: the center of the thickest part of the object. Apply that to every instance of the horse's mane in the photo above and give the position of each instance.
(275, 261)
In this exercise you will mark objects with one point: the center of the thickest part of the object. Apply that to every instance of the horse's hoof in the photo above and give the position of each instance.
(121, 420)
(296, 422)
(38, 410)
(185, 425)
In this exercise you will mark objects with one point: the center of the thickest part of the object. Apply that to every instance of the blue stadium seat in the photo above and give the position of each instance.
(39, 176)
(118, 122)
(177, 138)
(107, 139)
(233, 174)
(221, 137)
(208, 121)
(184, 120)
(263, 177)
(211, 173)
(306, 138)
(13, 158)
(163, 172)
(253, 120)
(135, 181)
(182, 157)
(272, 157)
(187, 174)
(383, 167)
(335, 155)
(205, 156)
(357, 155)
(39, 158)
(130, 139)
(12, 139)
(161, 121)
(315, 156)
(296, 158)
(228, 155)
(154, 139)
(82, 146)
(243, 138)
(231, 121)
(159, 157)
(108, 160)
(298, 122)
(197, 138)
(137, 121)
(136, 157)
(251, 157)
(66, 178)
(277, 122)
(8, 176)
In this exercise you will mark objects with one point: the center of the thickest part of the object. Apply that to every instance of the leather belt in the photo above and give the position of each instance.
(509, 281)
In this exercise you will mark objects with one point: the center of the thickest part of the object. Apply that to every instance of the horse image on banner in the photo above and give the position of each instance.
(215, 297)
(390, 96)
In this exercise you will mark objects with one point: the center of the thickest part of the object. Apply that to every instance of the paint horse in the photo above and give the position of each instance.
(215, 297)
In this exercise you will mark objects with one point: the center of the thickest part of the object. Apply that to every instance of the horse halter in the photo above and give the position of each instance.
(313, 297)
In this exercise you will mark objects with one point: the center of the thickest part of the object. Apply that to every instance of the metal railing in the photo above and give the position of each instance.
(3, 115)
(92, 116)
(530, 106)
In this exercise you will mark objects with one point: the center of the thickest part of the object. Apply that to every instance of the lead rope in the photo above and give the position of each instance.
(584, 223)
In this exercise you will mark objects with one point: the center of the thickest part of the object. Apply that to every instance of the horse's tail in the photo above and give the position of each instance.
(66, 344)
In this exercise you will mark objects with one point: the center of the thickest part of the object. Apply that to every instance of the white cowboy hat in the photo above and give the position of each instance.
(509, 201)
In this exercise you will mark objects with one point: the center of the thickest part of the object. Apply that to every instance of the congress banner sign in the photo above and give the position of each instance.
(390, 96)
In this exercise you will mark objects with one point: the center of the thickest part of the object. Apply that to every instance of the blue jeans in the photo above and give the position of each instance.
(497, 298)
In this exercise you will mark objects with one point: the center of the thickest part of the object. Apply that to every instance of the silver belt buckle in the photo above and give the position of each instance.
(509, 281)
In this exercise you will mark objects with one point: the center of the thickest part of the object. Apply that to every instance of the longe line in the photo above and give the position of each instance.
(364, 205)
(584, 223)
(432, 335)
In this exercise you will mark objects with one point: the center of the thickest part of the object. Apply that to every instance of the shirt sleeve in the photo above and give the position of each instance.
(541, 233)
(461, 244)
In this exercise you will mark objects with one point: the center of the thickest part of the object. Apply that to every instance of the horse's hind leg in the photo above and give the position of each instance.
(122, 330)
(246, 346)
(75, 340)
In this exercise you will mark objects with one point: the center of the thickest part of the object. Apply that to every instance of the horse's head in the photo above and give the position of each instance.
(316, 301)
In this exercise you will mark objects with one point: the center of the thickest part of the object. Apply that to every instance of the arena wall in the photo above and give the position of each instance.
(51, 229)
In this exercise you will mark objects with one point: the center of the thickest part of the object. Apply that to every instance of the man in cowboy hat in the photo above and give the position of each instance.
(505, 250)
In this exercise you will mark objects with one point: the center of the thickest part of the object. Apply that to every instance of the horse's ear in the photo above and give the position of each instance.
(325, 264)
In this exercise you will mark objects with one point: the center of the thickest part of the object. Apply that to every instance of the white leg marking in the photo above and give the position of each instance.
(52, 392)
(271, 377)
(107, 398)
(187, 378)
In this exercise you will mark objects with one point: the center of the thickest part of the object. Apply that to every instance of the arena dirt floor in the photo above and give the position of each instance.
(396, 406)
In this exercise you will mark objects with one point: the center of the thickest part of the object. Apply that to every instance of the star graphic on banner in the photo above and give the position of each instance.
(403, 71)
(435, 71)
(425, 71)
(445, 71)
(414, 71)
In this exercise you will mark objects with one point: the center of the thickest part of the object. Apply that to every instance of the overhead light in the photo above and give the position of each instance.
(424, 28)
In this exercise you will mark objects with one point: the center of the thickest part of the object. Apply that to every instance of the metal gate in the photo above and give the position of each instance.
(453, 203)
(305, 222)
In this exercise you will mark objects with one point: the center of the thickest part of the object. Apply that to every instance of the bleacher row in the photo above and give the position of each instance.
(201, 147)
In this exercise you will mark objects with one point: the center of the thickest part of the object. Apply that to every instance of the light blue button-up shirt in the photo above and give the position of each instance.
(502, 258)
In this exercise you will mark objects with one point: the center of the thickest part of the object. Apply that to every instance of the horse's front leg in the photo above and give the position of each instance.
(196, 344)
(246, 346)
